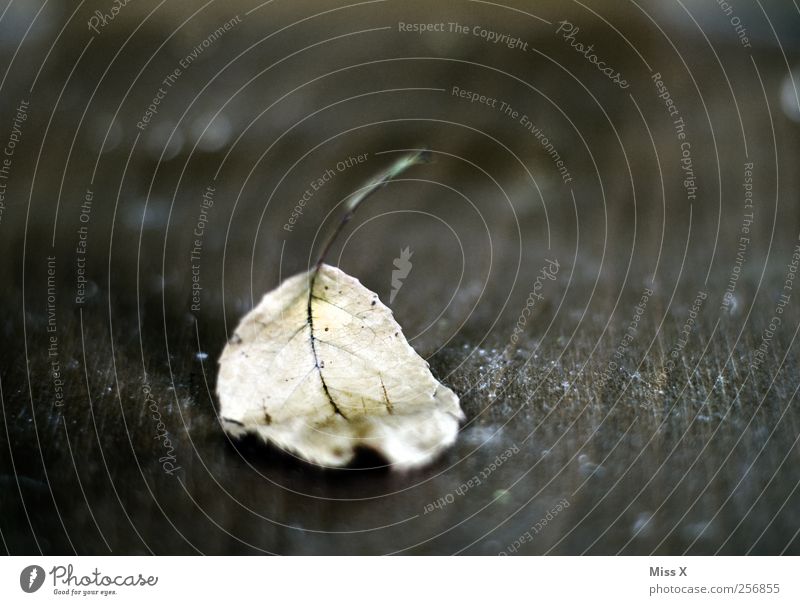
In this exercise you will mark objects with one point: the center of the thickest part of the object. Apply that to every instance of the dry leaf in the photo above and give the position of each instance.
(320, 367)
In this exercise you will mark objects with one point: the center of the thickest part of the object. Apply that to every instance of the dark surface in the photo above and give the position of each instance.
(695, 456)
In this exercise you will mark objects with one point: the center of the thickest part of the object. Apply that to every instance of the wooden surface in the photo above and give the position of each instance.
(601, 426)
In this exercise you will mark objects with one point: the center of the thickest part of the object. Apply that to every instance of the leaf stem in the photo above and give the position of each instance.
(418, 157)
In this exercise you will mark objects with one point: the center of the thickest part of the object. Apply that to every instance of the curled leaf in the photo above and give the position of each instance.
(320, 367)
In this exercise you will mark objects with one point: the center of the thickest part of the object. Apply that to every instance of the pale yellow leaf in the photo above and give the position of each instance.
(320, 367)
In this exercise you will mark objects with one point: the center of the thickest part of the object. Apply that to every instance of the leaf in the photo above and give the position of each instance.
(320, 367)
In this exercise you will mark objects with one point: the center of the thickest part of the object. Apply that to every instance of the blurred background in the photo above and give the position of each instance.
(166, 163)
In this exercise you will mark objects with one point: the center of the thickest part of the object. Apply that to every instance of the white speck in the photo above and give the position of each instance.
(202, 356)
(733, 303)
(701, 529)
(589, 468)
(789, 96)
(641, 525)
(483, 434)
(211, 134)
(501, 494)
